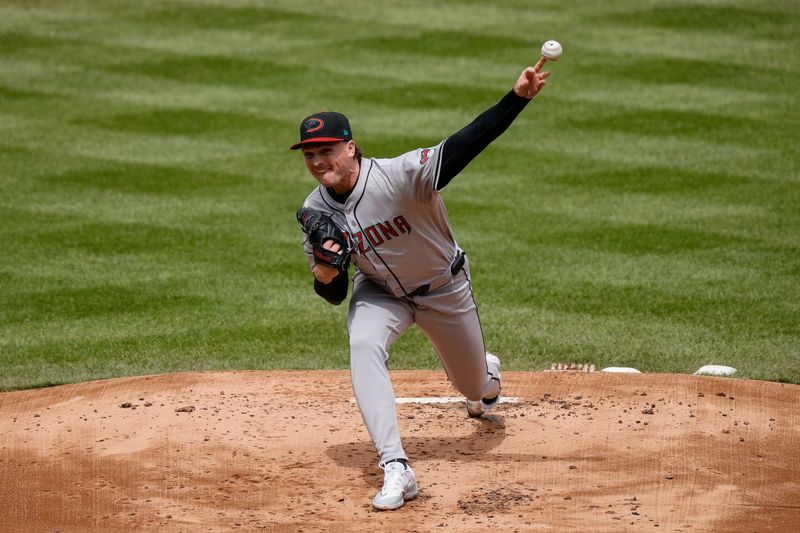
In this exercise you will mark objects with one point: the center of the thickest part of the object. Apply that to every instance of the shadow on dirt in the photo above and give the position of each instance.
(488, 433)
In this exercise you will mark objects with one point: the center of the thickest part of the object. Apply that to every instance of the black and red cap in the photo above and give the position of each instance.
(325, 127)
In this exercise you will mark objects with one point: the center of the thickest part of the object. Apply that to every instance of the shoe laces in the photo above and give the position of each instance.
(393, 473)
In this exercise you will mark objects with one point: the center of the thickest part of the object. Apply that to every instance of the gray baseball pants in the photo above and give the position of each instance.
(447, 316)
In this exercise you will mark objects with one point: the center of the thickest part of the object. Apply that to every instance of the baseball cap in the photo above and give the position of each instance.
(327, 126)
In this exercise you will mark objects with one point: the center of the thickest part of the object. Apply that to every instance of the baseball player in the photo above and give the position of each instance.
(388, 217)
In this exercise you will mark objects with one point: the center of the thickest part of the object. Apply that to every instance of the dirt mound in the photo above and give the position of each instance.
(287, 451)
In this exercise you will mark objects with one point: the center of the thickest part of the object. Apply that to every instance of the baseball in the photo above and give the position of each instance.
(552, 50)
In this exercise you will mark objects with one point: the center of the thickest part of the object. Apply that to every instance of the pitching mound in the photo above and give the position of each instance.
(287, 451)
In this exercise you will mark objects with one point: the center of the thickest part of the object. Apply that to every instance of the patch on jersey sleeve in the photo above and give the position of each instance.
(426, 154)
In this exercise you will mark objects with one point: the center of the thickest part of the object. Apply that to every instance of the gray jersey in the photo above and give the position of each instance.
(403, 242)
(395, 220)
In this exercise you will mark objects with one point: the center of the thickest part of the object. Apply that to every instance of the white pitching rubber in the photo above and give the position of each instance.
(443, 399)
(622, 370)
(715, 370)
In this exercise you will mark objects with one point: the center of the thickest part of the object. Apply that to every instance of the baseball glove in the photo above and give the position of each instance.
(321, 228)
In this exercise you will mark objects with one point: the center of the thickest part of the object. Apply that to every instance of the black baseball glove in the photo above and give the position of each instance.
(321, 228)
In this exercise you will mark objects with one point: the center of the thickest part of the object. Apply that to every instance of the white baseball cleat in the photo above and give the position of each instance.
(478, 408)
(399, 486)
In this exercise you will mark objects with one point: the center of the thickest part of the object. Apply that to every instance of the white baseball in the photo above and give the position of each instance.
(551, 50)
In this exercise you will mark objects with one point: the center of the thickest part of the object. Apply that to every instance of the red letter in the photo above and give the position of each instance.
(358, 238)
(387, 229)
(373, 236)
(401, 224)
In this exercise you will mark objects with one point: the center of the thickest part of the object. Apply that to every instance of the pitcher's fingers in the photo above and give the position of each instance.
(539, 64)
(530, 72)
(331, 245)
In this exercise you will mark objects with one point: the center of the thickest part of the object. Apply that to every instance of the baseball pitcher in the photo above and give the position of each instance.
(387, 218)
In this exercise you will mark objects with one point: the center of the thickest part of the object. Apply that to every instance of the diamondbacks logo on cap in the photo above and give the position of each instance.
(312, 125)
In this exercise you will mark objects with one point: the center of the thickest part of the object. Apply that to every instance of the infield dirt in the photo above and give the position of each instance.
(287, 451)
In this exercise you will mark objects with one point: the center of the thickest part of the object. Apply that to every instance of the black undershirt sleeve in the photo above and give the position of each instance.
(334, 292)
(464, 145)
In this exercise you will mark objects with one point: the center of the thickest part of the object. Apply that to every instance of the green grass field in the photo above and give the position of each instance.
(643, 211)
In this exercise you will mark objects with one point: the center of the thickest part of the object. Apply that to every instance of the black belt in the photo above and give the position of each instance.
(455, 266)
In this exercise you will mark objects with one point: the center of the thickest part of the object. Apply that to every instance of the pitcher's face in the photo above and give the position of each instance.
(332, 164)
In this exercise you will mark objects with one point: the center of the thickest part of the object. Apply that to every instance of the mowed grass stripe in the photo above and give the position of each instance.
(657, 345)
(641, 212)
